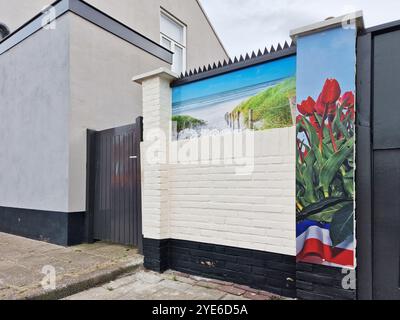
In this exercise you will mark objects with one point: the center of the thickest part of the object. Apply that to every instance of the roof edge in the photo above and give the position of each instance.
(93, 15)
(213, 28)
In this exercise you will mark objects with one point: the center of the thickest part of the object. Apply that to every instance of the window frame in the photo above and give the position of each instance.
(174, 42)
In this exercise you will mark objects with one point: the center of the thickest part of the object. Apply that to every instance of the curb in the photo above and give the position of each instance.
(86, 283)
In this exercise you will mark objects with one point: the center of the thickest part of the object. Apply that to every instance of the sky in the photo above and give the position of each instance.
(247, 25)
(336, 59)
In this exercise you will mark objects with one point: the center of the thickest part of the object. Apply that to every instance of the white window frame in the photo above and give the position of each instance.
(173, 42)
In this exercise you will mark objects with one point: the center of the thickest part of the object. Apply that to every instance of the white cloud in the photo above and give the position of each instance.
(246, 25)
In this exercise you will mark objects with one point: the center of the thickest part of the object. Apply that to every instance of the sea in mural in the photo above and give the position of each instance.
(257, 98)
(326, 148)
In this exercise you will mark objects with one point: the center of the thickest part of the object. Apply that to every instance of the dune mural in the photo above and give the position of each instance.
(258, 98)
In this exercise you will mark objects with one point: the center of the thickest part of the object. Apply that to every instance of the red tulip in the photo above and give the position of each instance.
(348, 100)
(319, 106)
(324, 109)
(331, 92)
(307, 106)
(299, 119)
(314, 122)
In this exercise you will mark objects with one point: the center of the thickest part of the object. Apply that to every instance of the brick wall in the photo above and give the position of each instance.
(206, 214)
(316, 282)
(275, 273)
(213, 204)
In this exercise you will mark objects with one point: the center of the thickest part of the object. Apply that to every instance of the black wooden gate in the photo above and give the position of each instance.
(378, 163)
(114, 185)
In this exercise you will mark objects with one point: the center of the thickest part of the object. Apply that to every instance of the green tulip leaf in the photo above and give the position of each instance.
(342, 226)
(326, 216)
(322, 206)
(331, 168)
(313, 136)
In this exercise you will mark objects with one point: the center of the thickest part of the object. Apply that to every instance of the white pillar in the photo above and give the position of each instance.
(157, 113)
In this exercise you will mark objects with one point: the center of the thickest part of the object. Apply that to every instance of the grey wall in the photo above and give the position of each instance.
(64, 81)
(203, 46)
(102, 93)
(15, 13)
(34, 106)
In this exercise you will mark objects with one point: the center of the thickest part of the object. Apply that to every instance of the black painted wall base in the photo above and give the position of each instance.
(321, 283)
(271, 272)
(65, 229)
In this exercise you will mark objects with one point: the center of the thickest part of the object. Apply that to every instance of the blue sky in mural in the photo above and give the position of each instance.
(331, 55)
(234, 82)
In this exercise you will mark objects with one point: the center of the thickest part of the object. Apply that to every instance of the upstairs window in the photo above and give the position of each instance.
(173, 37)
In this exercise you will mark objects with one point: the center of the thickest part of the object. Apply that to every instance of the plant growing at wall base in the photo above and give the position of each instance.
(325, 160)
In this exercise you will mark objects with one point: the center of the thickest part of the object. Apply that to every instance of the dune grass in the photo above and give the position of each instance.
(271, 107)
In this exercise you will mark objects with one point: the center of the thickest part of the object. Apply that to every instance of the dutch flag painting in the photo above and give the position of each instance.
(314, 245)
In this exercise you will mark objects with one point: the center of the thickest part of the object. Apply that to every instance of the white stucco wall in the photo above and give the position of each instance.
(14, 13)
(102, 93)
(203, 46)
(34, 106)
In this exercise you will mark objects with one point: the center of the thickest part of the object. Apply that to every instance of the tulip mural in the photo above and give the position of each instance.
(325, 170)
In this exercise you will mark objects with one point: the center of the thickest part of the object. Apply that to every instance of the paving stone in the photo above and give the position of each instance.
(175, 285)
(230, 297)
(232, 290)
(205, 294)
(186, 280)
(121, 282)
(208, 284)
(170, 294)
(149, 277)
(247, 289)
(92, 294)
(22, 260)
(254, 296)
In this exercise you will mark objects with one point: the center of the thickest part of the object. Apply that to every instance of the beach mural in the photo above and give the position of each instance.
(326, 148)
(256, 98)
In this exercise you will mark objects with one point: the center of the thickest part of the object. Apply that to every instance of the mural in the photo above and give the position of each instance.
(257, 98)
(326, 148)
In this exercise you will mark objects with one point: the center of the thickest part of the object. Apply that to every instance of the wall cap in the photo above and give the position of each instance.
(357, 16)
(160, 72)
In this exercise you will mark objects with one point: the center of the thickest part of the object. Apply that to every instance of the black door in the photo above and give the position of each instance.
(386, 165)
(114, 185)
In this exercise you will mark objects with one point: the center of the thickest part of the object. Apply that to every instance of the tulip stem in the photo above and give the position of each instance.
(332, 137)
(321, 133)
(300, 152)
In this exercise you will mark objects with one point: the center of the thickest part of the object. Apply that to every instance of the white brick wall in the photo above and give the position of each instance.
(211, 203)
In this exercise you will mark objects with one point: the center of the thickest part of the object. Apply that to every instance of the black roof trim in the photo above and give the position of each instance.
(93, 15)
(384, 27)
(237, 63)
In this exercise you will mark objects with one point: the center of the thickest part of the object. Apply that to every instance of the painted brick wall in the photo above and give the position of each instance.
(212, 204)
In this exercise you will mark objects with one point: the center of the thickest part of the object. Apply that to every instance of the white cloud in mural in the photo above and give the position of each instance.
(248, 25)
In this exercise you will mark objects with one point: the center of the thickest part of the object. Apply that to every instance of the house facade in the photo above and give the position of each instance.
(72, 75)
(276, 170)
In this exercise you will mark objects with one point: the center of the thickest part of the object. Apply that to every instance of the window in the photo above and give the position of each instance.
(173, 37)
(4, 31)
